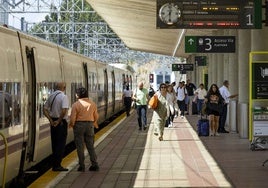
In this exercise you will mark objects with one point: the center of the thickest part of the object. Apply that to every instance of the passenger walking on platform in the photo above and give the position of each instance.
(141, 98)
(171, 98)
(83, 119)
(161, 113)
(176, 105)
(55, 109)
(127, 99)
(214, 103)
(224, 90)
(181, 94)
(200, 93)
(190, 87)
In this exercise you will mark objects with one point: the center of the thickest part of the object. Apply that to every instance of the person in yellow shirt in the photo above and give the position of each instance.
(83, 119)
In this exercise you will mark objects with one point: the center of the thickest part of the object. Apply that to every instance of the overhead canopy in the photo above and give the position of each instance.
(134, 21)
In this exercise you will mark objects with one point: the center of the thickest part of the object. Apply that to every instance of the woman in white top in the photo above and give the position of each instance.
(171, 98)
(181, 94)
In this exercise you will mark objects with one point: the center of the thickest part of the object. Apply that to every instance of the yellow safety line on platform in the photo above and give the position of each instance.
(70, 161)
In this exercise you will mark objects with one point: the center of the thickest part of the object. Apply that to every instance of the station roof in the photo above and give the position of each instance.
(134, 21)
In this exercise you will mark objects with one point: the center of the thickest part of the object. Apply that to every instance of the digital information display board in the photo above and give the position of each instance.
(209, 44)
(259, 80)
(205, 14)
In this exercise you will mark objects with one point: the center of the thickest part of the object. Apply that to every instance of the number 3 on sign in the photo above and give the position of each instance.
(208, 44)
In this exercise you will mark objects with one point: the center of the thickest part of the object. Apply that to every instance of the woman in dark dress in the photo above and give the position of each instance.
(214, 102)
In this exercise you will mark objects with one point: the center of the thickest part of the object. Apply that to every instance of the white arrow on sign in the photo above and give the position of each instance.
(191, 41)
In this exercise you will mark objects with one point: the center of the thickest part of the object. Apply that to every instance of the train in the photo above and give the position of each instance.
(30, 69)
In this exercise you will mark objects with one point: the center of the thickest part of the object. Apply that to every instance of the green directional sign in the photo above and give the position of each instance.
(209, 44)
(190, 44)
(182, 67)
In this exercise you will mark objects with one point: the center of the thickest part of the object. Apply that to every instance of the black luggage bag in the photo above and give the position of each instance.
(194, 108)
(203, 127)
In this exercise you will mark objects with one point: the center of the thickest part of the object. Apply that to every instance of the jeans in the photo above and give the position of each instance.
(199, 105)
(142, 115)
(181, 105)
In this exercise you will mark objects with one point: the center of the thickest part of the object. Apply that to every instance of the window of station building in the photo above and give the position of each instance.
(167, 78)
(10, 104)
(159, 79)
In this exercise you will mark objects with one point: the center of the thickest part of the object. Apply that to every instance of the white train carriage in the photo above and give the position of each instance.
(30, 68)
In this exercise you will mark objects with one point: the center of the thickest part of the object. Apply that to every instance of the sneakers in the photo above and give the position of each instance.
(81, 169)
(217, 134)
(224, 131)
(94, 168)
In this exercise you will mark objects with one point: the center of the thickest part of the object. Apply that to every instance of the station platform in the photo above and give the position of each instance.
(129, 157)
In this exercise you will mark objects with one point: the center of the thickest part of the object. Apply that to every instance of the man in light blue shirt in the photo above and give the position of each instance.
(226, 96)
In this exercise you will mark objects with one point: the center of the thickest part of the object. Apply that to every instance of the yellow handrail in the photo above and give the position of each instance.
(5, 163)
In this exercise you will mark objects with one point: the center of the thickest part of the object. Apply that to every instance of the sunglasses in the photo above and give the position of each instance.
(163, 87)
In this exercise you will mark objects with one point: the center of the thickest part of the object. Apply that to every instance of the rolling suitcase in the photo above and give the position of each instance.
(203, 127)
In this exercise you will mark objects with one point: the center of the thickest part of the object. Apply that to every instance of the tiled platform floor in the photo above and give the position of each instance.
(132, 158)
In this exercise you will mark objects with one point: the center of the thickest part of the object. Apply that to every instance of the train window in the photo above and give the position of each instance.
(74, 86)
(10, 107)
(92, 81)
(124, 81)
(130, 82)
(45, 89)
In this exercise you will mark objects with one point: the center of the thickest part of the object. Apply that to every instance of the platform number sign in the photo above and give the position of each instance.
(182, 67)
(210, 44)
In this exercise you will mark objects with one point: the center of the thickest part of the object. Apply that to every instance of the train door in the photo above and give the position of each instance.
(130, 82)
(113, 91)
(32, 106)
(86, 75)
(106, 92)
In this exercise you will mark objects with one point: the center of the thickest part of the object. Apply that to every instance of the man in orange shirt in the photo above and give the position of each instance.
(83, 119)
